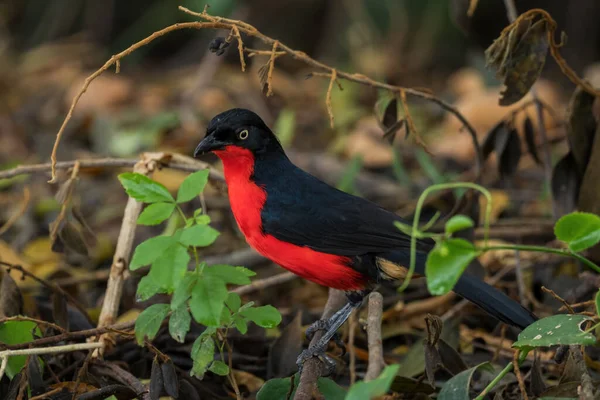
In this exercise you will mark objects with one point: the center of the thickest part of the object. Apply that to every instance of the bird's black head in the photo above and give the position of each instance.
(239, 128)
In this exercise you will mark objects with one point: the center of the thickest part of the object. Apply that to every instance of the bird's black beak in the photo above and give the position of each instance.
(209, 143)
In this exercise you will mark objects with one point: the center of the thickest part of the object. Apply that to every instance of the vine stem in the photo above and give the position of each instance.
(495, 381)
(562, 252)
(416, 233)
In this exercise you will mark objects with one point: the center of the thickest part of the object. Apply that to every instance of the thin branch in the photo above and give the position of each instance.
(118, 268)
(332, 79)
(37, 321)
(313, 367)
(110, 163)
(4, 355)
(69, 336)
(271, 69)
(376, 363)
(113, 60)
(520, 379)
(265, 283)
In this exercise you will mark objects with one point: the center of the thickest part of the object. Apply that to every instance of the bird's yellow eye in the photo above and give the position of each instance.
(243, 135)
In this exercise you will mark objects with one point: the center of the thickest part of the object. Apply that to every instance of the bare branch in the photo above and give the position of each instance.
(376, 362)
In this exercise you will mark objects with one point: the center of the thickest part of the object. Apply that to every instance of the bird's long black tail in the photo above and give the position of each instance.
(490, 299)
(494, 302)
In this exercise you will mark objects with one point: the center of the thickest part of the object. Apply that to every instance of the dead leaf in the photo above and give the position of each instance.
(518, 57)
(285, 349)
(529, 132)
(581, 127)
(565, 184)
(59, 310)
(537, 384)
(509, 157)
(245, 379)
(11, 301)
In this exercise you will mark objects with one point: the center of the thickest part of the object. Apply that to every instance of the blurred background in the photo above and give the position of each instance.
(167, 91)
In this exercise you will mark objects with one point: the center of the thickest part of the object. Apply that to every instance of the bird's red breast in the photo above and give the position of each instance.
(247, 200)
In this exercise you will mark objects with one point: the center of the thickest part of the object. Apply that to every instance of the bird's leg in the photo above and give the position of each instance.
(330, 326)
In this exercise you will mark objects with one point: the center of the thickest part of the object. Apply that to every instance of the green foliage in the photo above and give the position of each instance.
(201, 293)
(377, 387)
(446, 263)
(457, 387)
(578, 230)
(459, 223)
(562, 329)
(156, 213)
(149, 321)
(277, 388)
(144, 189)
(17, 332)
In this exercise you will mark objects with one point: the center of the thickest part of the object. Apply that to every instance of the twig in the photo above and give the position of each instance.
(313, 367)
(69, 336)
(472, 7)
(47, 350)
(113, 60)
(238, 27)
(376, 362)
(236, 33)
(332, 79)
(114, 287)
(557, 297)
(109, 163)
(37, 321)
(520, 379)
(122, 376)
(271, 68)
(15, 217)
(265, 283)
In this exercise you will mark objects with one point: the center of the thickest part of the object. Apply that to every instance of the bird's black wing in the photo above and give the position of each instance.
(305, 211)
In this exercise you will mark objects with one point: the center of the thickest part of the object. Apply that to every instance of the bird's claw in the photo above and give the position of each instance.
(325, 324)
(319, 352)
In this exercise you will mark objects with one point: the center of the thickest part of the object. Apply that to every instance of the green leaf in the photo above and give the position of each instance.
(457, 387)
(208, 300)
(278, 388)
(199, 236)
(562, 329)
(179, 323)
(240, 324)
(144, 189)
(446, 263)
(17, 332)
(183, 291)
(192, 186)
(459, 223)
(264, 316)
(202, 219)
(148, 251)
(168, 269)
(203, 353)
(149, 320)
(219, 368)
(330, 390)
(229, 273)
(578, 230)
(233, 301)
(156, 213)
(377, 387)
(147, 288)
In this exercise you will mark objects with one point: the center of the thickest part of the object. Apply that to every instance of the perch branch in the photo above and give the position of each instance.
(313, 367)
(375, 344)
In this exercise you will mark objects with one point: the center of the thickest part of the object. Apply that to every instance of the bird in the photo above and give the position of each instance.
(320, 233)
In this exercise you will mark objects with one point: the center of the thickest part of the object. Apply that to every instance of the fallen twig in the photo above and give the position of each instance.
(5, 354)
